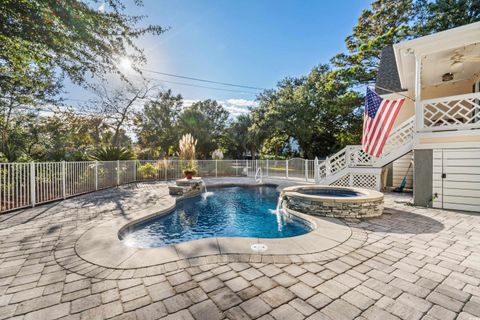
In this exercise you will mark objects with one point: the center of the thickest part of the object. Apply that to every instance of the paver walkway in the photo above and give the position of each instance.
(413, 263)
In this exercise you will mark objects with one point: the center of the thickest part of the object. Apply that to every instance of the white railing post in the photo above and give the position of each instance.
(286, 169)
(63, 180)
(236, 168)
(328, 168)
(96, 175)
(216, 168)
(256, 166)
(118, 173)
(33, 192)
(266, 174)
(306, 170)
(316, 172)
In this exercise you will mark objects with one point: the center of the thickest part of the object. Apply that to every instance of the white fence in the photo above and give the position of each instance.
(28, 184)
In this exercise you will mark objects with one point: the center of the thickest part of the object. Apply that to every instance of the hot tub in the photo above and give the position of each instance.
(332, 201)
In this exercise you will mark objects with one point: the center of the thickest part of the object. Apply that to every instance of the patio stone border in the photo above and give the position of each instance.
(367, 204)
(99, 253)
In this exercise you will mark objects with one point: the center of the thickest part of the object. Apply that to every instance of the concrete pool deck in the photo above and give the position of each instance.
(411, 263)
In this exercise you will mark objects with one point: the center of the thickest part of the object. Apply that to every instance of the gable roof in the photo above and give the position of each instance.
(387, 76)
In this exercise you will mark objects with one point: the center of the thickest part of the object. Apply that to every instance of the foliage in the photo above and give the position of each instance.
(74, 37)
(112, 153)
(147, 170)
(206, 120)
(217, 154)
(314, 111)
(156, 124)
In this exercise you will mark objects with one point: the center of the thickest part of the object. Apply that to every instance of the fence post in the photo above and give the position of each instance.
(118, 173)
(134, 170)
(216, 168)
(96, 175)
(63, 179)
(316, 171)
(236, 168)
(286, 168)
(166, 169)
(266, 174)
(306, 170)
(33, 192)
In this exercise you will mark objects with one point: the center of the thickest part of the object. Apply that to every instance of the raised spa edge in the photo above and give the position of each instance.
(365, 204)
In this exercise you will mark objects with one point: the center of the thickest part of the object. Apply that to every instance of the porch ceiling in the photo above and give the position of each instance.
(454, 51)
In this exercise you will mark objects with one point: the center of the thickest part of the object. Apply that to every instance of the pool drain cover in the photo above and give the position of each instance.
(259, 247)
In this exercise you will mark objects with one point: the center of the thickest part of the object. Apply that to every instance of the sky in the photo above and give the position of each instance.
(249, 42)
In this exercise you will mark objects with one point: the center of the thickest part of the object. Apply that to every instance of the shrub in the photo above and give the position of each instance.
(147, 170)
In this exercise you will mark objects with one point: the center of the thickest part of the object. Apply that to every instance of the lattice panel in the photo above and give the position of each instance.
(364, 180)
(455, 112)
(342, 182)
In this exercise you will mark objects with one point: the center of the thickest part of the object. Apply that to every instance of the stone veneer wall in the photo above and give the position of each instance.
(348, 209)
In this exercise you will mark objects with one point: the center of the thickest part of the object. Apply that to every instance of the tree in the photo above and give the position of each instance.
(386, 22)
(117, 106)
(442, 15)
(238, 139)
(157, 124)
(206, 121)
(74, 37)
(317, 111)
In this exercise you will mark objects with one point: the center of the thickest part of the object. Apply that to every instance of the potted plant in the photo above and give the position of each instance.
(187, 155)
(189, 170)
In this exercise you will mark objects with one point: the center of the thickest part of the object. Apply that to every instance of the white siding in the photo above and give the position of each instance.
(400, 167)
(460, 189)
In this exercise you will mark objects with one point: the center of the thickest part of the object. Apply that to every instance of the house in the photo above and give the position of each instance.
(435, 140)
(439, 75)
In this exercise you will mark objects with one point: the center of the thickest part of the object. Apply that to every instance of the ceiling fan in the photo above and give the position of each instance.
(457, 63)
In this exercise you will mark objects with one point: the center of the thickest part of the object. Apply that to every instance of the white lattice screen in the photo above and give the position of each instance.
(343, 181)
(456, 111)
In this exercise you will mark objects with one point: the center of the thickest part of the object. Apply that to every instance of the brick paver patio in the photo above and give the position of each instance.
(413, 263)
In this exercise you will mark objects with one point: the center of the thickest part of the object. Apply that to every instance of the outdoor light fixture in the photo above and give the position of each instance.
(447, 77)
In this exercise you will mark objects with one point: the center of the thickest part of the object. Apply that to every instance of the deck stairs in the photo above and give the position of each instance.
(354, 168)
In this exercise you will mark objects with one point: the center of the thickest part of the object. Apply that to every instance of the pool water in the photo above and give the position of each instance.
(331, 192)
(222, 212)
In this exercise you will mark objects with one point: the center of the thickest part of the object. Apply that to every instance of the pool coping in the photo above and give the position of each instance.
(101, 245)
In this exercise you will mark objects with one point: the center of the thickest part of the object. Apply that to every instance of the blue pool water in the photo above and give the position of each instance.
(223, 212)
(331, 192)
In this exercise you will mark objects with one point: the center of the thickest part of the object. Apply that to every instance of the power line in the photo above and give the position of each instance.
(205, 87)
(203, 80)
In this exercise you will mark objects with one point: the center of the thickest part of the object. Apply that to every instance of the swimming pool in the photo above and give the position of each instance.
(222, 212)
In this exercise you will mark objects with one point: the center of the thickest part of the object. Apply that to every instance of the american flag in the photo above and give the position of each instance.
(378, 119)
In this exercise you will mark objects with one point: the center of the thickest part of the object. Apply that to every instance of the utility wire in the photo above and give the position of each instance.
(202, 80)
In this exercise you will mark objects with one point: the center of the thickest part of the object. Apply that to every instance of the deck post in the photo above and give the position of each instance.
(216, 168)
(32, 183)
(315, 171)
(418, 96)
(266, 174)
(63, 179)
